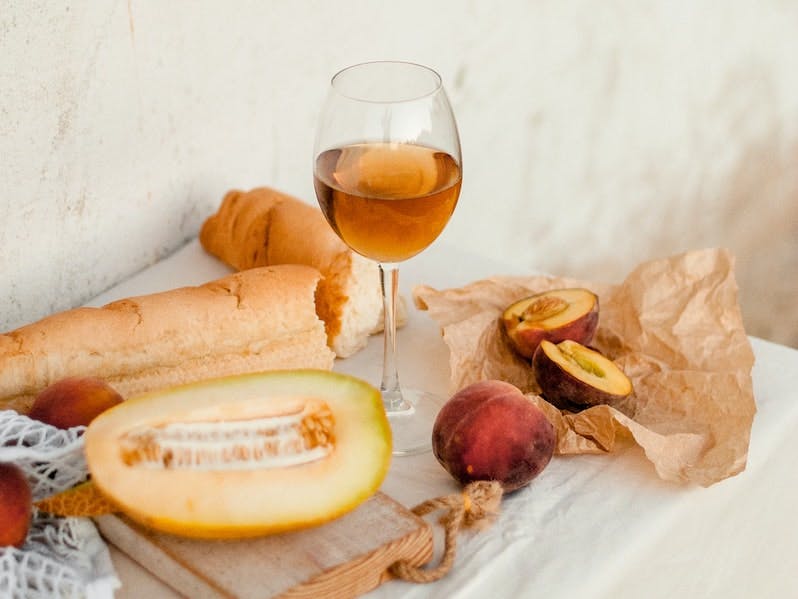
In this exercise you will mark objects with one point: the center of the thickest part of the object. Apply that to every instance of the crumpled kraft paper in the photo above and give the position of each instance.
(674, 326)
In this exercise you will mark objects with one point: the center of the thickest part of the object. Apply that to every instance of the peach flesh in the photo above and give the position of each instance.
(572, 376)
(554, 315)
(491, 431)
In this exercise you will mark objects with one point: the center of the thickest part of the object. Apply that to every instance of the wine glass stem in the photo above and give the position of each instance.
(391, 391)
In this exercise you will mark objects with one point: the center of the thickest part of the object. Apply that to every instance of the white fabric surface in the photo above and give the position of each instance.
(588, 526)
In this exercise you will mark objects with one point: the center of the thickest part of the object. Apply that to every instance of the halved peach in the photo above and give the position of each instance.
(572, 376)
(554, 315)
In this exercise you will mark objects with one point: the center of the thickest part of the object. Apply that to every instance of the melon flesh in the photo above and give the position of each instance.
(242, 500)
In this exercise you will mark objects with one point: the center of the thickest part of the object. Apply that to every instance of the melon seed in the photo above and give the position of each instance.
(273, 441)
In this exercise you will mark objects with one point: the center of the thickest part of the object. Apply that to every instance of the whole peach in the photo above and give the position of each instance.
(74, 401)
(15, 506)
(490, 431)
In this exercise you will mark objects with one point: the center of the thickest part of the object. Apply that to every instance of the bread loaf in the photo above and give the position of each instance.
(259, 319)
(265, 227)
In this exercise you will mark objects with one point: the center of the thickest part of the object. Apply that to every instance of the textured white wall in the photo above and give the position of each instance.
(595, 135)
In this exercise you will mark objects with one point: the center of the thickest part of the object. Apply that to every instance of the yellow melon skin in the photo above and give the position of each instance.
(245, 503)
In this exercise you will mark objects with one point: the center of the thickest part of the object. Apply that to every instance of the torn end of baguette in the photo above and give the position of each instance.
(350, 303)
(348, 298)
(264, 226)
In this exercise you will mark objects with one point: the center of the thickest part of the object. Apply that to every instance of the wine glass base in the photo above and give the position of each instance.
(412, 428)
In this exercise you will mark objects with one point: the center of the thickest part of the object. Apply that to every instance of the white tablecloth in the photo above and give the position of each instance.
(588, 526)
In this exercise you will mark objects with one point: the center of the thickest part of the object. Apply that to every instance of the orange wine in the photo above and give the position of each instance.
(387, 201)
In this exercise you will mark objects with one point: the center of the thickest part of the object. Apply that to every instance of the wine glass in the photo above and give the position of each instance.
(387, 174)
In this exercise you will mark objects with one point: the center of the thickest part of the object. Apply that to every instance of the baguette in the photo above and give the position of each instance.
(260, 319)
(265, 227)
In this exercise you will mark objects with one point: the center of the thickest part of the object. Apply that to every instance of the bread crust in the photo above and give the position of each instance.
(259, 319)
(266, 227)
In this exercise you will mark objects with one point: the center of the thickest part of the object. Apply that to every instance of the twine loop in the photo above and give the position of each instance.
(474, 507)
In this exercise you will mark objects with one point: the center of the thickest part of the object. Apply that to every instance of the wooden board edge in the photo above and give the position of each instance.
(343, 581)
(176, 574)
(371, 570)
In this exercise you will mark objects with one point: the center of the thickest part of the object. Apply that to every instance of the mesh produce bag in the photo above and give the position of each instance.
(61, 557)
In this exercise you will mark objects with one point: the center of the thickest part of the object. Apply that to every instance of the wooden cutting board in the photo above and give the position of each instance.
(344, 558)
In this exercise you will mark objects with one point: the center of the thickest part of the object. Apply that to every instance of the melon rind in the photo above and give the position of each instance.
(245, 503)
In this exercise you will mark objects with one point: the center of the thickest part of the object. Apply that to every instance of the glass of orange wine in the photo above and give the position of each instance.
(387, 172)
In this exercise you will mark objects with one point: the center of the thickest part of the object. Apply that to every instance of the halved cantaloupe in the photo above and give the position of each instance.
(244, 455)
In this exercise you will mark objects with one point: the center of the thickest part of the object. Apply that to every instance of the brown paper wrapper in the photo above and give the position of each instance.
(674, 326)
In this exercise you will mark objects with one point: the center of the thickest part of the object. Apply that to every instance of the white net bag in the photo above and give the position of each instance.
(61, 557)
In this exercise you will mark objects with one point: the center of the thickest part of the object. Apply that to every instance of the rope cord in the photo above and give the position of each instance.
(476, 505)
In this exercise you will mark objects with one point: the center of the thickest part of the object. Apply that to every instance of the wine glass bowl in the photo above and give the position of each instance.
(387, 201)
(387, 174)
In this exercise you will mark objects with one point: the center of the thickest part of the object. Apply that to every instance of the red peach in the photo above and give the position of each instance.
(16, 506)
(73, 401)
(491, 431)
